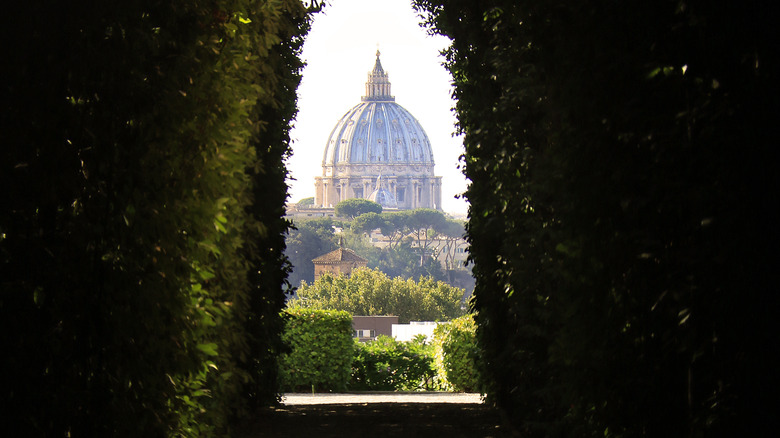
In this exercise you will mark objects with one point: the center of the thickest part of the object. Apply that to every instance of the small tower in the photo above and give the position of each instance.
(339, 262)
(378, 84)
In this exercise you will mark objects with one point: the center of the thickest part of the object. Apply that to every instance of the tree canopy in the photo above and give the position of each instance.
(306, 202)
(354, 207)
(422, 242)
(419, 228)
(371, 292)
(307, 240)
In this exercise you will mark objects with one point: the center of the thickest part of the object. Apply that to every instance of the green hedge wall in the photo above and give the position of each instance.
(389, 365)
(320, 350)
(621, 159)
(456, 353)
(141, 230)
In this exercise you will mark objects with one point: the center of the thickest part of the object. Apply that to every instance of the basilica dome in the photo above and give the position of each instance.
(378, 130)
(379, 137)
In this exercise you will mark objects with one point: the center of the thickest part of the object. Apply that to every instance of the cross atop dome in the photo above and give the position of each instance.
(378, 84)
(378, 70)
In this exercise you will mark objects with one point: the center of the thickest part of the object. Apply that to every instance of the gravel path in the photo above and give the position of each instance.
(294, 399)
(377, 415)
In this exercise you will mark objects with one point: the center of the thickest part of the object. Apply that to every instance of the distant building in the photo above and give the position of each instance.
(339, 262)
(378, 151)
(367, 328)
(407, 332)
(305, 212)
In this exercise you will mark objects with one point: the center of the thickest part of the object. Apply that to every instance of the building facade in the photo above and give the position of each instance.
(339, 262)
(367, 328)
(378, 151)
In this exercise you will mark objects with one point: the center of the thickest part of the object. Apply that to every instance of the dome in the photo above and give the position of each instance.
(382, 196)
(378, 151)
(378, 130)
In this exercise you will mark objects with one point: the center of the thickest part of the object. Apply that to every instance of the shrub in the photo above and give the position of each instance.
(456, 353)
(320, 350)
(389, 365)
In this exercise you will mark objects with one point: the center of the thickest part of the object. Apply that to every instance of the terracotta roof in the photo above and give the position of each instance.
(340, 255)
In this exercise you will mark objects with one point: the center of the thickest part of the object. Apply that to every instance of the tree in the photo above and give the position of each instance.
(306, 202)
(420, 227)
(370, 292)
(451, 232)
(368, 222)
(411, 251)
(354, 207)
(308, 240)
(404, 261)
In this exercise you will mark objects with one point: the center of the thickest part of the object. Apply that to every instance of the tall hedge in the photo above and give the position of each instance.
(140, 252)
(319, 350)
(622, 164)
(456, 354)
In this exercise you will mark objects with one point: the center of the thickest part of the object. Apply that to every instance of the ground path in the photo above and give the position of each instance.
(378, 415)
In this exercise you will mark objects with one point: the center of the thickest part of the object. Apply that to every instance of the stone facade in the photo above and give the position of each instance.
(339, 262)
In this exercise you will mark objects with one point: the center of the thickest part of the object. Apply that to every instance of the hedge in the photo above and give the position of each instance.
(390, 365)
(141, 212)
(456, 353)
(320, 350)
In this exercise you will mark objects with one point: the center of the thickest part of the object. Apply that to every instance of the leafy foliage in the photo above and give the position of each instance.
(411, 251)
(139, 272)
(354, 207)
(280, 71)
(306, 202)
(410, 254)
(307, 240)
(404, 261)
(370, 292)
(389, 365)
(320, 350)
(619, 156)
(456, 354)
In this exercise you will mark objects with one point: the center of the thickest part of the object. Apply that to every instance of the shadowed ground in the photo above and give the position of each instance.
(378, 419)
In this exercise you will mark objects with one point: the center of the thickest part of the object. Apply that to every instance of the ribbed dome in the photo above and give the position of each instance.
(378, 151)
(378, 130)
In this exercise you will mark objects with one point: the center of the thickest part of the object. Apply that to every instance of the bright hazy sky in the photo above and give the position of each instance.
(340, 51)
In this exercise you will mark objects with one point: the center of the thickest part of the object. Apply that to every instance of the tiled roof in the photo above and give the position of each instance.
(340, 255)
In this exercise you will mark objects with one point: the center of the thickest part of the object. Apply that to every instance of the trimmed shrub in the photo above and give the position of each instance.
(456, 353)
(389, 365)
(320, 350)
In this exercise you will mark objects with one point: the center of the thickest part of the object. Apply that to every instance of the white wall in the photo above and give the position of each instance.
(405, 332)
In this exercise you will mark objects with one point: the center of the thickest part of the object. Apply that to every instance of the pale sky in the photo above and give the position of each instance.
(340, 50)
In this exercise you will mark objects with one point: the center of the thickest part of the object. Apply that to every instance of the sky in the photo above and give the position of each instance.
(339, 51)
